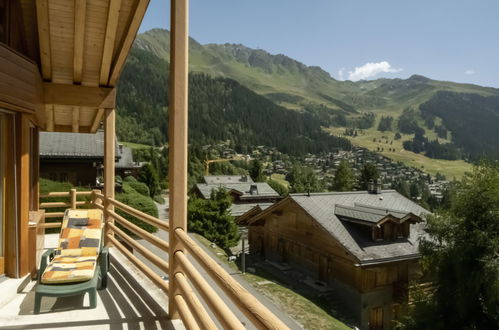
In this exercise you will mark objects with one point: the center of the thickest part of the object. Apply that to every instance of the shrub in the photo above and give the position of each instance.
(140, 202)
(139, 187)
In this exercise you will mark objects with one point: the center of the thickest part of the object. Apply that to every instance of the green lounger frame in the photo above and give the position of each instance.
(99, 281)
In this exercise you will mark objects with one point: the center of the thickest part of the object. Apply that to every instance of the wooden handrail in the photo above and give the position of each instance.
(160, 263)
(140, 232)
(65, 194)
(155, 278)
(186, 314)
(49, 205)
(259, 315)
(200, 314)
(140, 215)
(50, 225)
(54, 215)
(217, 305)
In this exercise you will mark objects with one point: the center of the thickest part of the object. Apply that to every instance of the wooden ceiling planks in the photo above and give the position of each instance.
(80, 42)
(109, 40)
(61, 21)
(79, 38)
(133, 28)
(94, 41)
(42, 14)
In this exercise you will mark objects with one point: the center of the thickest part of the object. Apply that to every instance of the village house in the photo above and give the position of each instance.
(363, 244)
(78, 158)
(245, 193)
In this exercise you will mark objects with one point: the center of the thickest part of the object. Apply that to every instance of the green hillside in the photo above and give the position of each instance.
(293, 84)
(352, 109)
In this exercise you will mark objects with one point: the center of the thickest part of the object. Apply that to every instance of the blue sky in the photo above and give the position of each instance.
(352, 39)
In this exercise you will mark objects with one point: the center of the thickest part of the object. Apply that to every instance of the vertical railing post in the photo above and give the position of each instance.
(94, 197)
(109, 164)
(72, 194)
(177, 139)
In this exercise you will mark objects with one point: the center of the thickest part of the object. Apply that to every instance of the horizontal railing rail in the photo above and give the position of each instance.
(72, 203)
(197, 302)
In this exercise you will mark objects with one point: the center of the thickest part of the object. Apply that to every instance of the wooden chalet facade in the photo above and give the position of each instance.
(78, 158)
(59, 64)
(364, 245)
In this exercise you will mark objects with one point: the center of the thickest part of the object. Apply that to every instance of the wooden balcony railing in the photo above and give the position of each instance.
(188, 280)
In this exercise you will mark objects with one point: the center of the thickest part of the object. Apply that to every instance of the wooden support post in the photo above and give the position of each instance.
(23, 161)
(109, 159)
(177, 139)
(95, 199)
(73, 199)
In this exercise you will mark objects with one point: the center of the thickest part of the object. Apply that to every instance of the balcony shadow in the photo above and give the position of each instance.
(125, 304)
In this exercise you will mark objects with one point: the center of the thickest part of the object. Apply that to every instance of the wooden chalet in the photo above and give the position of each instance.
(78, 158)
(60, 61)
(364, 245)
(245, 193)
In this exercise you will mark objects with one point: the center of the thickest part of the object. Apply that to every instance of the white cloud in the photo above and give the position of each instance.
(340, 74)
(470, 72)
(369, 70)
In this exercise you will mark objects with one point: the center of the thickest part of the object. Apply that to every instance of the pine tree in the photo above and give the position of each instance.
(343, 177)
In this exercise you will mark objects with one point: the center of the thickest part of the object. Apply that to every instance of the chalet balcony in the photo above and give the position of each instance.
(137, 291)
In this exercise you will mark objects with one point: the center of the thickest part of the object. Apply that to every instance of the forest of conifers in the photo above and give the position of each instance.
(220, 109)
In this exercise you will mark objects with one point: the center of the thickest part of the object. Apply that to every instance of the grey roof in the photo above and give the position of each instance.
(126, 158)
(224, 179)
(237, 210)
(321, 207)
(263, 189)
(366, 213)
(71, 145)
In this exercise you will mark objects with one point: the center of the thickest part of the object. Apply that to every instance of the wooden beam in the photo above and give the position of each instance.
(50, 118)
(79, 96)
(23, 186)
(111, 29)
(179, 65)
(109, 163)
(127, 42)
(97, 119)
(76, 119)
(79, 39)
(42, 15)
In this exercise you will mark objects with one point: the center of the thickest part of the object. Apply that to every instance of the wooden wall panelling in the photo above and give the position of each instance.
(19, 81)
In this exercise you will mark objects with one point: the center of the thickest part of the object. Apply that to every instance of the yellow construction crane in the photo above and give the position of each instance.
(209, 161)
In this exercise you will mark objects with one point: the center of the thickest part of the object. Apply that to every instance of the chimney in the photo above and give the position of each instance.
(370, 187)
(253, 189)
(378, 186)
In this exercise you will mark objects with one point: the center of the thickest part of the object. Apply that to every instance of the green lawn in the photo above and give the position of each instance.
(450, 168)
(135, 145)
(306, 312)
(280, 178)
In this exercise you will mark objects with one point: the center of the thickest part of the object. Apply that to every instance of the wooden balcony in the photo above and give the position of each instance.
(198, 303)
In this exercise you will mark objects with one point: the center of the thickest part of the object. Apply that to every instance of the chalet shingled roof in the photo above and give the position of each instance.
(369, 214)
(72, 145)
(225, 179)
(322, 206)
(242, 189)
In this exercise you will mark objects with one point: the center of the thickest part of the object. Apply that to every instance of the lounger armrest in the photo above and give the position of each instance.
(46, 258)
(104, 260)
